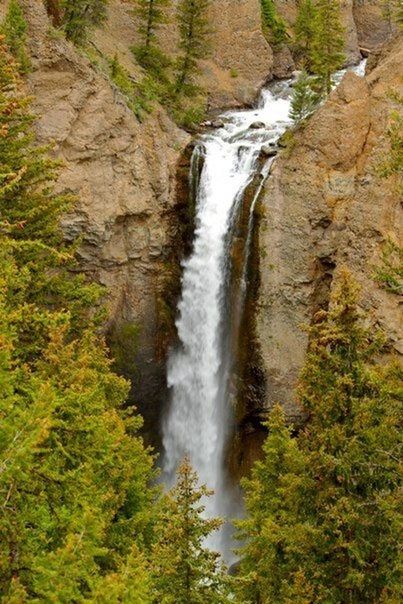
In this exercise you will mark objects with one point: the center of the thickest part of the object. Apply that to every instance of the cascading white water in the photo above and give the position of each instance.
(199, 371)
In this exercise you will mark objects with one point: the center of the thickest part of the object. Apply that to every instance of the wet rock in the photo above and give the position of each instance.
(257, 125)
(269, 150)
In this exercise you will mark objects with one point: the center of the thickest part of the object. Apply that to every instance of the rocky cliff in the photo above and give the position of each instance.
(326, 207)
(125, 177)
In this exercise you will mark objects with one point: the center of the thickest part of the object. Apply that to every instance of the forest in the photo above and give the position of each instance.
(88, 514)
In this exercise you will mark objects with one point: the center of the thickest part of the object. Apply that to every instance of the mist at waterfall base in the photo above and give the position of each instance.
(199, 421)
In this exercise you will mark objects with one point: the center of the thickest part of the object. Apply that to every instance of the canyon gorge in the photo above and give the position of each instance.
(324, 206)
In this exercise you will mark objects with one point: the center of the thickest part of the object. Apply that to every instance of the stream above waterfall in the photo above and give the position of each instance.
(200, 419)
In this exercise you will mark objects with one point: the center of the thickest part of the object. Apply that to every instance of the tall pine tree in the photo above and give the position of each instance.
(327, 55)
(79, 16)
(273, 532)
(151, 14)
(194, 30)
(332, 508)
(305, 31)
(274, 26)
(184, 570)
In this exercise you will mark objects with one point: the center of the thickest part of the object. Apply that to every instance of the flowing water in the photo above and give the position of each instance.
(199, 421)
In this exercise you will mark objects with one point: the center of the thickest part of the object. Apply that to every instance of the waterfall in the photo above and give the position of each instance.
(199, 370)
(199, 419)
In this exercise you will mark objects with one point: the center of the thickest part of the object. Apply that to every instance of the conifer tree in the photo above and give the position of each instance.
(184, 571)
(274, 26)
(337, 540)
(151, 14)
(328, 43)
(79, 16)
(194, 33)
(273, 531)
(354, 443)
(304, 99)
(74, 473)
(14, 30)
(305, 31)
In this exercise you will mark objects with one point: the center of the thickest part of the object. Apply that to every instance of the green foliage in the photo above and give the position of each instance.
(329, 531)
(274, 26)
(123, 343)
(139, 95)
(14, 30)
(151, 14)
(194, 30)
(305, 31)
(392, 12)
(184, 571)
(79, 16)
(273, 534)
(390, 273)
(326, 55)
(393, 163)
(74, 472)
(304, 100)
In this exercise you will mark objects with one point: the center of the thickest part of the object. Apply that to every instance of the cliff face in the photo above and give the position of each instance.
(240, 58)
(124, 174)
(326, 207)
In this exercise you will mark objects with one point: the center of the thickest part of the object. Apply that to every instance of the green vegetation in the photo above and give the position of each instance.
(304, 100)
(390, 273)
(305, 32)
(326, 55)
(74, 473)
(79, 16)
(184, 571)
(274, 26)
(138, 95)
(151, 14)
(14, 30)
(194, 30)
(324, 507)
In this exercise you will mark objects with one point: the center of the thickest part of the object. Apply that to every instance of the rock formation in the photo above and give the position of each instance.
(326, 207)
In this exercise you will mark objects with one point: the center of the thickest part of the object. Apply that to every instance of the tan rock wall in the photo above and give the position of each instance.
(124, 174)
(325, 207)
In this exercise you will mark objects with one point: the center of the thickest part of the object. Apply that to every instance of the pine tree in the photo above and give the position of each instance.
(151, 14)
(14, 30)
(305, 31)
(324, 508)
(274, 26)
(273, 531)
(304, 99)
(79, 16)
(353, 440)
(74, 472)
(327, 45)
(185, 572)
(194, 33)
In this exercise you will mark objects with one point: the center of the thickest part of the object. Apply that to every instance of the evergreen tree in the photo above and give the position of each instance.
(151, 14)
(273, 532)
(274, 26)
(194, 32)
(305, 31)
(304, 99)
(81, 15)
(74, 473)
(327, 45)
(14, 30)
(345, 523)
(185, 572)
